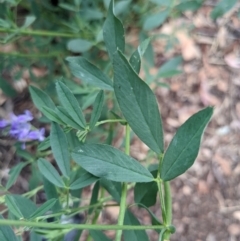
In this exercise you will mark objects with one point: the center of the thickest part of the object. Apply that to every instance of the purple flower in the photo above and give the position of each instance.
(22, 118)
(20, 128)
(20, 131)
(3, 123)
(36, 134)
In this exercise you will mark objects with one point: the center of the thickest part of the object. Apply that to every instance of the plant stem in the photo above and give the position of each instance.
(33, 192)
(68, 197)
(74, 211)
(39, 33)
(20, 223)
(122, 210)
(127, 140)
(162, 203)
(168, 202)
(168, 208)
(161, 195)
(160, 164)
(124, 189)
(34, 55)
(27, 194)
(109, 121)
(96, 215)
(64, 66)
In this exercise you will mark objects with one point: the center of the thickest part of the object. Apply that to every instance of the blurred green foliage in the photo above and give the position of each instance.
(43, 33)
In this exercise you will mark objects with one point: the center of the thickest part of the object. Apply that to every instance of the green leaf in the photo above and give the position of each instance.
(35, 237)
(94, 198)
(51, 192)
(70, 103)
(115, 116)
(89, 99)
(44, 208)
(40, 98)
(79, 45)
(20, 206)
(44, 145)
(25, 155)
(113, 188)
(133, 235)
(49, 172)
(35, 178)
(28, 21)
(6, 233)
(122, 7)
(13, 207)
(135, 59)
(146, 193)
(110, 163)
(113, 32)
(14, 173)
(84, 180)
(222, 7)
(4, 23)
(97, 109)
(89, 73)
(90, 14)
(162, 2)
(168, 74)
(52, 115)
(68, 120)
(7, 88)
(138, 104)
(75, 174)
(149, 53)
(155, 20)
(68, 7)
(72, 139)
(154, 219)
(59, 147)
(169, 68)
(184, 147)
(98, 235)
(189, 6)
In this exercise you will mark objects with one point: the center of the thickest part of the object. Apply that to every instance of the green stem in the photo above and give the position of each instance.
(74, 211)
(20, 223)
(64, 66)
(127, 140)
(68, 198)
(168, 202)
(160, 191)
(34, 55)
(43, 154)
(109, 121)
(161, 235)
(96, 215)
(39, 33)
(160, 164)
(122, 210)
(95, 218)
(168, 206)
(27, 194)
(33, 192)
(162, 203)
(124, 189)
